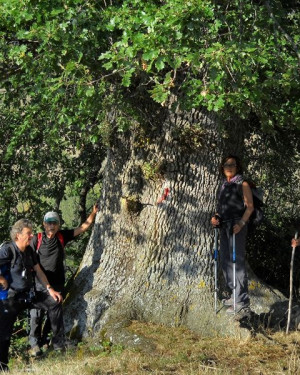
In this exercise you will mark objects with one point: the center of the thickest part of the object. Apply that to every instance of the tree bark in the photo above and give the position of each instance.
(149, 261)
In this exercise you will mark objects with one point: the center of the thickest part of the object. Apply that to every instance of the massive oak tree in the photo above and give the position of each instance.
(165, 88)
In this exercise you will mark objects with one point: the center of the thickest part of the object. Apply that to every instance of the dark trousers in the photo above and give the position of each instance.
(240, 263)
(4, 346)
(40, 324)
(16, 303)
(40, 328)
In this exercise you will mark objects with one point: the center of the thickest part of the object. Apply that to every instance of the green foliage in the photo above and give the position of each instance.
(150, 171)
(19, 338)
(51, 107)
(66, 64)
(228, 56)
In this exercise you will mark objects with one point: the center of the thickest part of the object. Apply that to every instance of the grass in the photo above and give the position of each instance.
(176, 351)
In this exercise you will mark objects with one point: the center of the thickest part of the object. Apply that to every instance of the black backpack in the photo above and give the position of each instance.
(257, 215)
(6, 267)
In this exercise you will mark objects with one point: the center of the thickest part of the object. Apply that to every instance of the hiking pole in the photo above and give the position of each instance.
(216, 266)
(234, 278)
(291, 286)
(28, 322)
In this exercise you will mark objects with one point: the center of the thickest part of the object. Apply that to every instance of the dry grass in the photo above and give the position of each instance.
(178, 352)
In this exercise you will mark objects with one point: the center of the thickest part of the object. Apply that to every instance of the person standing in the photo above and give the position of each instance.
(49, 246)
(20, 289)
(234, 208)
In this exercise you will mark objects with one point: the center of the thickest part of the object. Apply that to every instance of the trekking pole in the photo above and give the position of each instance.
(28, 322)
(216, 266)
(234, 278)
(291, 286)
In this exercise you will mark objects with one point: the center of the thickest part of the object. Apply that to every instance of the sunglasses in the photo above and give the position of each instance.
(227, 165)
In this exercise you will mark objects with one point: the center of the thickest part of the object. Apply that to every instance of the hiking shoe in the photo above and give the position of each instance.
(35, 351)
(238, 307)
(45, 347)
(70, 344)
(61, 350)
(228, 301)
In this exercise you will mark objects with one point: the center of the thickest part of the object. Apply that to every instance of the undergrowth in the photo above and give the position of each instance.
(176, 351)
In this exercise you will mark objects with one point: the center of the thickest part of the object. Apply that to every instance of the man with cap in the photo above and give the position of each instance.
(49, 246)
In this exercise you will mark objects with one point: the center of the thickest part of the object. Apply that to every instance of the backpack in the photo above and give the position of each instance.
(257, 215)
(40, 238)
(6, 267)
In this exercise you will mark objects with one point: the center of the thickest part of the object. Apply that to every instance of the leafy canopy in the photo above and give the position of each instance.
(51, 103)
(228, 56)
(65, 64)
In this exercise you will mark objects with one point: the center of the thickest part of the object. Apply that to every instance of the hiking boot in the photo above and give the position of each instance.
(35, 351)
(46, 346)
(238, 307)
(61, 350)
(70, 344)
(227, 301)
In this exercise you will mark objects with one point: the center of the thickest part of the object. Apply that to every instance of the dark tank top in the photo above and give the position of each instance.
(231, 203)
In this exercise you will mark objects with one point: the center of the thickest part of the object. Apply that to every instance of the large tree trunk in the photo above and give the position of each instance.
(155, 262)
